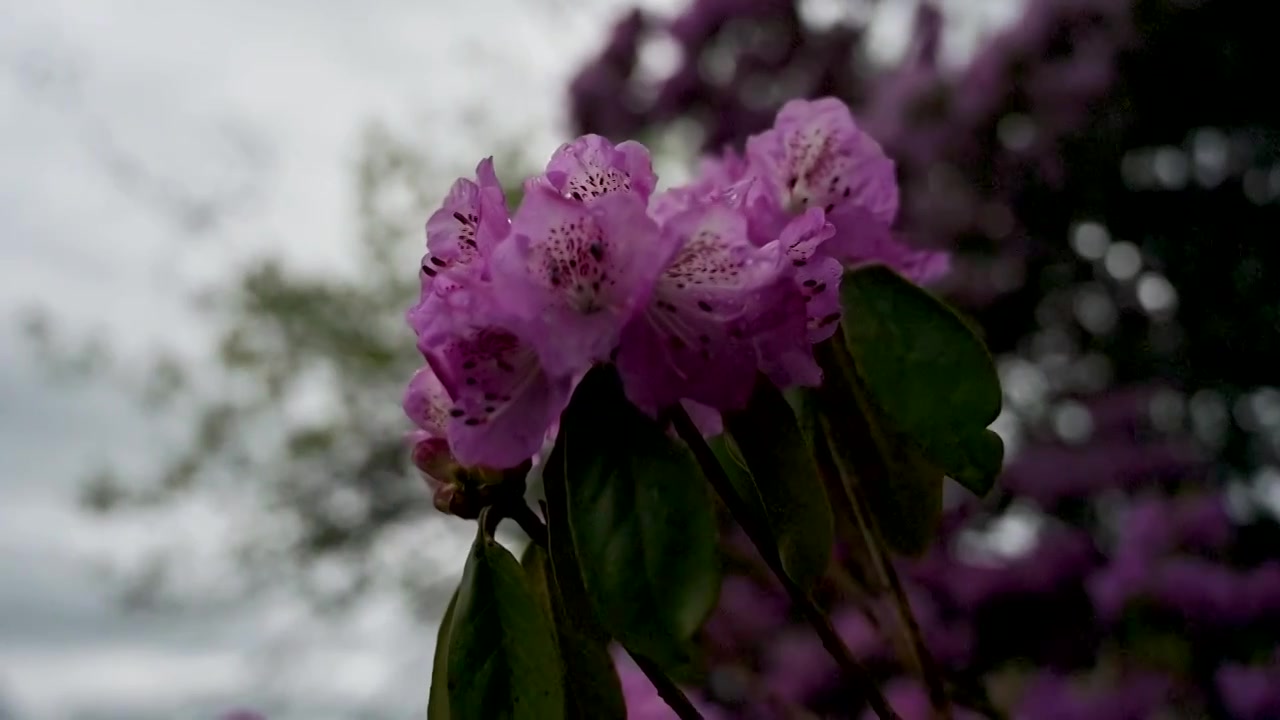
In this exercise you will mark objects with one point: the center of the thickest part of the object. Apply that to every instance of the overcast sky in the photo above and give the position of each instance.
(124, 127)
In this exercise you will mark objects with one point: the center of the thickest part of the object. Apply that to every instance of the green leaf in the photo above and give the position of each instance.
(564, 558)
(592, 688)
(984, 453)
(640, 519)
(502, 660)
(780, 467)
(903, 491)
(804, 402)
(927, 371)
(438, 701)
(735, 468)
(901, 488)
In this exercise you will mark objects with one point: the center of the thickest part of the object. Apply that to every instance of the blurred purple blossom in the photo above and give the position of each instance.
(1250, 693)
(642, 699)
(1071, 179)
(1049, 696)
(911, 702)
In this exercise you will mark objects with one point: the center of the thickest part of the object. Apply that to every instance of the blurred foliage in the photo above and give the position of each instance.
(339, 476)
(300, 406)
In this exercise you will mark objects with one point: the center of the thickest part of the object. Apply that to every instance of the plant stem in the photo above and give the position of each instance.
(670, 693)
(836, 360)
(853, 671)
(528, 520)
(938, 697)
(489, 519)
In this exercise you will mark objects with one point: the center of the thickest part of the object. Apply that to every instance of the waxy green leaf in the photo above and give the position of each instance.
(438, 701)
(502, 660)
(640, 518)
(592, 688)
(901, 489)
(926, 371)
(785, 483)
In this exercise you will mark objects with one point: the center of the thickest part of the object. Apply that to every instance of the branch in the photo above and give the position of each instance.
(853, 671)
(888, 576)
(670, 693)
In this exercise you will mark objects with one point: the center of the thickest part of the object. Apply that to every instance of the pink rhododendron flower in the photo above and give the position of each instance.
(573, 274)
(427, 403)
(816, 156)
(591, 167)
(432, 457)
(783, 349)
(692, 292)
(461, 236)
(817, 274)
(726, 177)
(694, 339)
(502, 400)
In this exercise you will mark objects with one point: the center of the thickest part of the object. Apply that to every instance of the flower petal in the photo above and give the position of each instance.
(503, 400)
(461, 237)
(573, 274)
(783, 348)
(470, 221)
(819, 282)
(591, 167)
(427, 403)
(694, 340)
(805, 240)
(817, 156)
(804, 235)
(860, 239)
(448, 300)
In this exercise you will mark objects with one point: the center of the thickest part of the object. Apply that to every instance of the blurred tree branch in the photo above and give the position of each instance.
(300, 405)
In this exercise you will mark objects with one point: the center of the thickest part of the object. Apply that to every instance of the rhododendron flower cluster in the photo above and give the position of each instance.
(692, 292)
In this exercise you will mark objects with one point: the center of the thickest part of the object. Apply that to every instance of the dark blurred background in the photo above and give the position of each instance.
(1109, 184)
(212, 218)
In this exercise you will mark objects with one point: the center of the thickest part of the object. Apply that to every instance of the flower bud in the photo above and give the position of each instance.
(456, 490)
